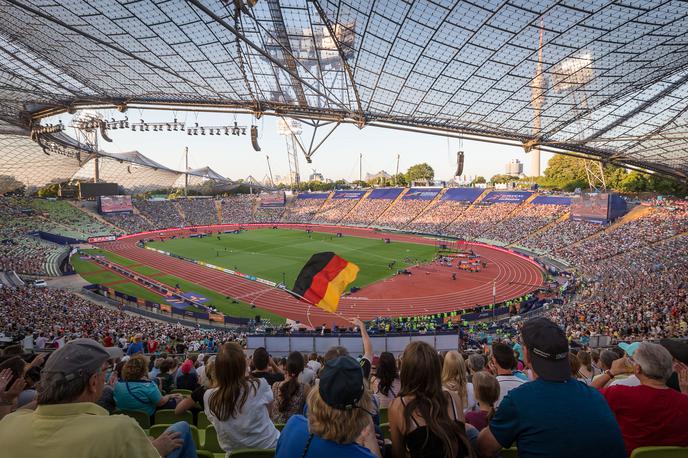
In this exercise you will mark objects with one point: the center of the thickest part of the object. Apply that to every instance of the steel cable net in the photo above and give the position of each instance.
(608, 79)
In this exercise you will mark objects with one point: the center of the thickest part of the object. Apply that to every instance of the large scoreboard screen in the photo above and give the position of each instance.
(591, 207)
(114, 204)
(98, 189)
(272, 199)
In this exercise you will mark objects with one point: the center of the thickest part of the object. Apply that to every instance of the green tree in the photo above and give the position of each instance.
(501, 178)
(359, 184)
(564, 172)
(479, 180)
(420, 172)
(633, 182)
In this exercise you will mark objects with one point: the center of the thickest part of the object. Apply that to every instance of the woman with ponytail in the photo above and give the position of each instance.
(238, 405)
(486, 388)
(290, 395)
(425, 420)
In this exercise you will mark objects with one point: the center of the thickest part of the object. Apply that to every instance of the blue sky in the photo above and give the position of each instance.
(337, 158)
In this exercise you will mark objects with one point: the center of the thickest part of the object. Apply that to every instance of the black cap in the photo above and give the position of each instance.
(677, 348)
(548, 349)
(341, 383)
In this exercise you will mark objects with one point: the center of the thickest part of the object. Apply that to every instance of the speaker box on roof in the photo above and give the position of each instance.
(254, 138)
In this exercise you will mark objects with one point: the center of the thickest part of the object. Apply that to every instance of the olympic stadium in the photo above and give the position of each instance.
(133, 136)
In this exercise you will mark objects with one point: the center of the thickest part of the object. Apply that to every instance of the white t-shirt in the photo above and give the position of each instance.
(307, 376)
(506, 384)
(27, 343)
(314, 365)
(252, 427)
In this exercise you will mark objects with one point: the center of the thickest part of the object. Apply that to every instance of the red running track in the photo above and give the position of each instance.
(429, 290)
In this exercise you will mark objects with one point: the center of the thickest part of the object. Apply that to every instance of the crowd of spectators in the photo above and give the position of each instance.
(661, 223)
(238, 209)
(198, 211)
(161, 213)
(268, 214)
(641, 293)
(528, 219)
(478, 219)
(45, 318)
(529, 395)
(130, 223)
(560, 236)
(367, 212)
(401, 213)
(334, 210)
(439, 216)
(302, 210)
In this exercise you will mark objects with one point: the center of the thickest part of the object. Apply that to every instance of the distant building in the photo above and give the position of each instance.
(514, 168)
(316, 176)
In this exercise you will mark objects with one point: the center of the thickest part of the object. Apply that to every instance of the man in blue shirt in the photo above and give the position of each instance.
(554, 415)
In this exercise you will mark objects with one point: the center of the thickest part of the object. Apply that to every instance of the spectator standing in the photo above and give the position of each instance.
(136, 346)
(239, 406)
(540, 416)
(650, 414)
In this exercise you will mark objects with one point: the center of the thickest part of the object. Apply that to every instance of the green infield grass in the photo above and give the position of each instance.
(277, 254)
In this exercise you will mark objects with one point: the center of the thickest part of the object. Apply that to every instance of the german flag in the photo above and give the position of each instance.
(323, 280)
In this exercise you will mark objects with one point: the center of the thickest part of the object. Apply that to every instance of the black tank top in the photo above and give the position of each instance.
(422, 443)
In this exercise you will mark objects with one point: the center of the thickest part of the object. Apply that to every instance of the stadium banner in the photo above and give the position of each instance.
(272, 199)
(114, 204)
(421, 194)
(551, 200)
(507, 197)
(313, 195)
(104, 238)
(385, 193)
(349, 194)
(462, 194)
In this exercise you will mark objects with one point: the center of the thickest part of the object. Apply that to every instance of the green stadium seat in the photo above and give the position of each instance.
(141, 418)
(660, 452)
(202, 421)
(167, 416)
(385, 431)
(253, 453)
(511, 452)
(157, 429)
(384, 416)
(182, 391)
(211, 442)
